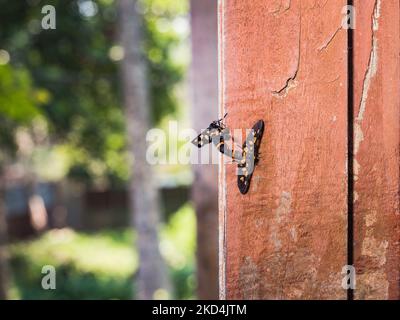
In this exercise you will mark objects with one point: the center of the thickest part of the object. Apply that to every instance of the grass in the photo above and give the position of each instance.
(101, 265)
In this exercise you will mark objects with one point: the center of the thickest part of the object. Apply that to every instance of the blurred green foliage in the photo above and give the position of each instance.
(101, 265)
(17, 105)
(65, 82)
(17, 100)
(74, 69)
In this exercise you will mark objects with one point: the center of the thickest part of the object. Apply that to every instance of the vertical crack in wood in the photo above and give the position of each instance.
(350, 151)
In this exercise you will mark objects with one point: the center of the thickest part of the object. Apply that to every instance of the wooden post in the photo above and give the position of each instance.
(283, 63)
(326, 190)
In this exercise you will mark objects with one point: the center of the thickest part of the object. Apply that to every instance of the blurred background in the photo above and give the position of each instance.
(76, 193)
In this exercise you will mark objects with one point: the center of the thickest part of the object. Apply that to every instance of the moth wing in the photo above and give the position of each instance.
(250, 156)
(202, 139)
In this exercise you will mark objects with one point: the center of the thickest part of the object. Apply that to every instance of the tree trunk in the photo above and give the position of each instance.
(4, 271)
(143, 193)
(204, 86)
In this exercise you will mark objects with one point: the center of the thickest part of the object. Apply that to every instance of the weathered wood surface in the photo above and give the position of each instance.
(376, 149)
(285, 62)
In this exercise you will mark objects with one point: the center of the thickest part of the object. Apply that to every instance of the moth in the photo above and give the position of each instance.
(246, 158)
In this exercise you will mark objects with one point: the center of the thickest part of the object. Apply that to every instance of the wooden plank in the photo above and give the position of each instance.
(285, 62)
(376, 149)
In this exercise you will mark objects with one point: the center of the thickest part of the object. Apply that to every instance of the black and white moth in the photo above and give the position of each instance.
(250, 156)
(217, 133)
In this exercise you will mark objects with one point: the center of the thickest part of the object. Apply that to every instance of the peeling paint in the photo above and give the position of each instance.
(374, 281)
(358, 136)
(375, 284)
(285, 6)
(249, 280)
(375, 249)
(259, 223)
(298, 277)
(293, 233)
(256, 182)
(284, 205)
(370, 73)
(280, 214)
(356, 168)
(370, 219)
(274, 237)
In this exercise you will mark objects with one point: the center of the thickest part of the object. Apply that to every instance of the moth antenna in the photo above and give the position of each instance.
(220, 120)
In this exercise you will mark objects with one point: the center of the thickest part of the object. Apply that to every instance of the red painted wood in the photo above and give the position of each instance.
(376, 161)
(285, 62)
